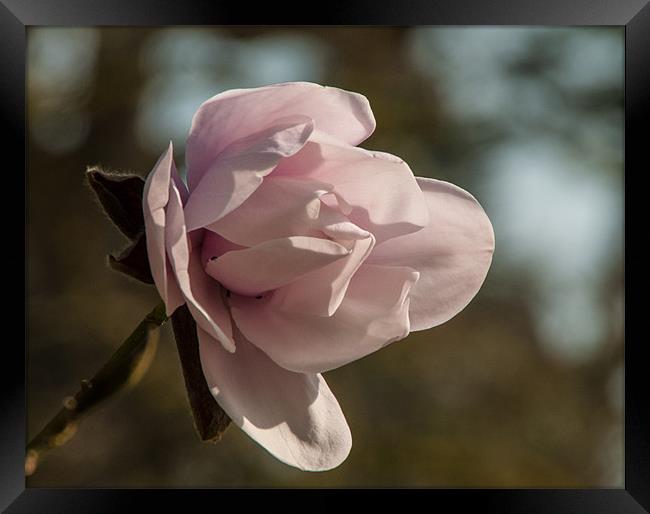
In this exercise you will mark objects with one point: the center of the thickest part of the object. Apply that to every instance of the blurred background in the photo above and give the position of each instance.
(524, 388)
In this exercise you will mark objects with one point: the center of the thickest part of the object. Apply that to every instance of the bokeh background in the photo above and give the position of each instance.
(524, 388)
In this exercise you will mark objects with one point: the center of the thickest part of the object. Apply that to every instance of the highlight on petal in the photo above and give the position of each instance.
(380, 194)
(239, 171)
(237, 113)
(294, 416)
(373, 313)
(274, 263)
(154, 202)
(452, 253)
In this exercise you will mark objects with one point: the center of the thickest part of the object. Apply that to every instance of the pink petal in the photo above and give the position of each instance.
(335, 224)
(336, 201)
(180, 185)
(280, 207)
(453, 254)
(274, 263)
(238, 172)
(321, 292)
(373, 314)
(204, 296)
(382, 191)
(294, 416)
(214, 246)
(238, 113)
(154, 201)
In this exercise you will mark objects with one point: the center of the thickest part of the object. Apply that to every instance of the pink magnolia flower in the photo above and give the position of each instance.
(298, 252)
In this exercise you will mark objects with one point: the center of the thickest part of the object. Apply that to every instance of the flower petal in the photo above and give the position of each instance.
(237, 113)
(294, 416)
(382, 191)
(274, 263)
(280, 207)
(453, 254)
(373, 314)
(214, 245)
(204, 296)
(321, 292)
(180, 185)
(238, 172)
(155, 197)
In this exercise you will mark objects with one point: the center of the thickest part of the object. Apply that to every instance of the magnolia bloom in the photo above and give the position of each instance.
(297, 252)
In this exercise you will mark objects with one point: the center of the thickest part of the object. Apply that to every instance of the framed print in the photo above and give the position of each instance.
(380, 248)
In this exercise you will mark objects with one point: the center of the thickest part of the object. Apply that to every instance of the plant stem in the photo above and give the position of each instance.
(125, 368)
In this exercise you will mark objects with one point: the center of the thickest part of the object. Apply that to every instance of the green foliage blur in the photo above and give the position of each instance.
(524, 388)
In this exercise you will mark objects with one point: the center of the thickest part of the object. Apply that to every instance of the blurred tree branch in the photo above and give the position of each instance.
(125, 368)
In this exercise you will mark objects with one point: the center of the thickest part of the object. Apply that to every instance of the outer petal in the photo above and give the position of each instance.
(237, 113)
(453, 254)
(154, 202)
(201, 292)
(294, 416)
(240, 169)
(380, 189)
(373, 314)
(274, 263)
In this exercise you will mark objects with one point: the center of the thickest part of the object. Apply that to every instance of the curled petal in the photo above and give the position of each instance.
(321, 291)
(273, 264)
(203, 295)
(452, 253)
(294, 416)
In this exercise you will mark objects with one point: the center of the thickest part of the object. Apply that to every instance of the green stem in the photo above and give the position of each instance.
(125, 368)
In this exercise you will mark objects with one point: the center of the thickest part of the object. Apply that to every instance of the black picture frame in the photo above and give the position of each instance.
(634, 15)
